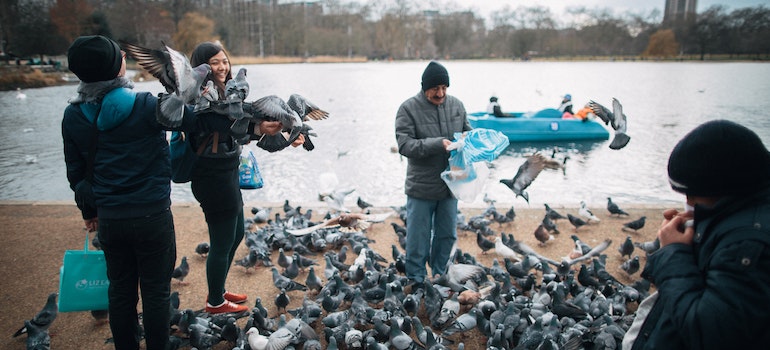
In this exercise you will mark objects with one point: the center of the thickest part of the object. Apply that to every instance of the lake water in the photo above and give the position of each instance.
(663, 101)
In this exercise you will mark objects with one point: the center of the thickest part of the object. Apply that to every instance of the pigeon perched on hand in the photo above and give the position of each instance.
(616, 119)
(526, 174)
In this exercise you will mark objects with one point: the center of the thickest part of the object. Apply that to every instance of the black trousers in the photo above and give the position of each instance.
(140, 254)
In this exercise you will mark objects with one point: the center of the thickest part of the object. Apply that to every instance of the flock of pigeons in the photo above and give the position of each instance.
(523, 300)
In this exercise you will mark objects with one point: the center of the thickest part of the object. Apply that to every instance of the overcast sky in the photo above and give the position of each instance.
(484, 7)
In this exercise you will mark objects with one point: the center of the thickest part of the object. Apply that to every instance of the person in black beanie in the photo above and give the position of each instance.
(117, 162)
(712, 271)
(425, 126)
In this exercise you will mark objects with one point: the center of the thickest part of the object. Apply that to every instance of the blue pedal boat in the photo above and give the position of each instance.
(543, 125)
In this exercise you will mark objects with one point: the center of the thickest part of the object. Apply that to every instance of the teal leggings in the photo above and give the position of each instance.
(225, 236)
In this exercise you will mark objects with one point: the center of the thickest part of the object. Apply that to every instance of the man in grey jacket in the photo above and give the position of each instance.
(425, 125)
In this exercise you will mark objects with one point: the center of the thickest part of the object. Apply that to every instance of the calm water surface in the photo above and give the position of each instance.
(662, 101)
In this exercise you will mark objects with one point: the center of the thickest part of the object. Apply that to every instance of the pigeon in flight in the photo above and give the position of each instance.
(616, 119)
(614, 209)
(173, 70)
(526, 174)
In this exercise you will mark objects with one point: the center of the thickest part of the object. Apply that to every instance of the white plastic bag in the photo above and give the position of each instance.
(466, 184)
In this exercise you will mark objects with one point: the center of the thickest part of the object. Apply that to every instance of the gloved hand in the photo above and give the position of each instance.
(170, 110)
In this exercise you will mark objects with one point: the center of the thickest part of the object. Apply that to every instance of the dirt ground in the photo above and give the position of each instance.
(35, 236)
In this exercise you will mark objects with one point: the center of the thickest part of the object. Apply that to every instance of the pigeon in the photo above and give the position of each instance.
(576, 221)
(282, 300)
(283, 282)
(483, 243)
(202, 249)
(347, 222)
(43, 319)
(181, 271)
(37, 337)
(256, 341)
(616, 119)
(173, 70)
(505, 251)
(362, 204)
(261, 215)
(627, 247)
(542, 235)
(614, 209)
(586, 213)
(236, 90)
(552, 214)
(549, 224)
(630, 266)
(526, 174)
(291, 114)
(635, 225)
(312, 281)
(648, 247)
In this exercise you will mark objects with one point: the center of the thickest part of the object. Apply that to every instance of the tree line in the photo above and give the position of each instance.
(394, 29)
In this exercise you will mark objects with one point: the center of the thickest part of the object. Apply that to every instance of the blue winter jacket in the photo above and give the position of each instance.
(132, 170)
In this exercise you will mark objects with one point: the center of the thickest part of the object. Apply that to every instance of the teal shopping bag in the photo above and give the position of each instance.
(83, 280)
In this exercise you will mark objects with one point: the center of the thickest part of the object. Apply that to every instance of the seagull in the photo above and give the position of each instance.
(526, 174)
(616, 118)
(173, 70)
(635, 225)
(586, 213)
(614, 209)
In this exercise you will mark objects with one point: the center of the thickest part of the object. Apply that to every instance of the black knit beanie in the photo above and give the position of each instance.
(94, 58)
(719, 158)
(434, 75)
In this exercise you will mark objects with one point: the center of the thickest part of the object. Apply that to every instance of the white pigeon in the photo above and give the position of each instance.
(20, 95)
(256, 341)
(505, 251)
(586, 213)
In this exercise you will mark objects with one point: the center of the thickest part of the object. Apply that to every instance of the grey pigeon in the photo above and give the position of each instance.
(202, 249)
(312, 281)
(236, 90)
(552, 214)
(576, 221)
(181, 271)
(363, 204)
(283, 282)
(37, 337)
(616, 119)
(282, 300)
(627, 247)
(648, 247)
(43, 319)
(614, 209)
(527, 173)
(630, 266)
(635, 225)
(173, 70)
(482, 242)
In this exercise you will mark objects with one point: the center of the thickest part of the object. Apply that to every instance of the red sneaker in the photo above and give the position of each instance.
(227, 307)
(235, 298)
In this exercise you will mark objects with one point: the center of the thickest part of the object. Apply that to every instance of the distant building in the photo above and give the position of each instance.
(678, 11)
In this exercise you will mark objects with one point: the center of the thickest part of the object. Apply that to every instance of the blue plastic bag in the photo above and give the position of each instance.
(250, 177)
(467, 171)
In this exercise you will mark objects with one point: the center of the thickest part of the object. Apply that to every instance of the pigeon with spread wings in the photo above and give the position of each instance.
(526, 174)
(616, 119)
(173, 70)
(291, 114)
(347, 222)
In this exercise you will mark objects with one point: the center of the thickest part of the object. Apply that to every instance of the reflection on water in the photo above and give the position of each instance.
(662, 100)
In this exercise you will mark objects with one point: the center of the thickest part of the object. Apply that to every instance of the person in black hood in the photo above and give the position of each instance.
(117, 162)
(712, 271)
